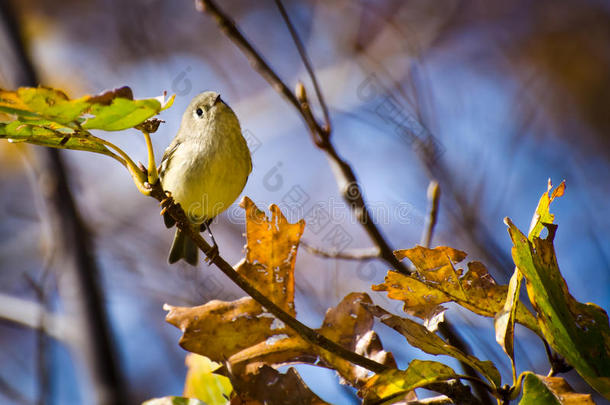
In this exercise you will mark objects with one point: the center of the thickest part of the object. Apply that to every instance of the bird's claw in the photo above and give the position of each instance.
(167, 202)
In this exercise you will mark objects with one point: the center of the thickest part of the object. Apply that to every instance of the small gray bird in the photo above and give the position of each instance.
(205, 167)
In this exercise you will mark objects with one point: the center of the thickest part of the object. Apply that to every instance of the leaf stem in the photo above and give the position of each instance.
(153, 176)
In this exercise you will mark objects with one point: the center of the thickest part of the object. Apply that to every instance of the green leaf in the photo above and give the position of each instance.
(121, 114)
(110, 111)
(541, 390)
(174, 401)
(47, 117)
(418, 374)
(578, 332)
(53, 135)
(42, 102)
(418, 336)
(505, 319)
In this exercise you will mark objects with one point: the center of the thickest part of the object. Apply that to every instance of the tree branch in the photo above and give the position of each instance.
(353, 254)
(344, 175)
(313, 337)
(342, 171)
(307, 63)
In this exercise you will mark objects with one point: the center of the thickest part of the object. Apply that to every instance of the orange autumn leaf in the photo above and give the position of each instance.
(437, 281)
(271, 252)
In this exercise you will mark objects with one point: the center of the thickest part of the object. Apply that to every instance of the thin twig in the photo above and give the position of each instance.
(353, 254)
(344, 175)
(434, 193)
(227, 26)
(313, 337)
(307, 63)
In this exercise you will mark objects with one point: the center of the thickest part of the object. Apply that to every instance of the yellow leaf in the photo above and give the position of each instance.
(203, 384)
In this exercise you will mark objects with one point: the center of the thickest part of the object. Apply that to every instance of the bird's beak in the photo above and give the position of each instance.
(217, 100)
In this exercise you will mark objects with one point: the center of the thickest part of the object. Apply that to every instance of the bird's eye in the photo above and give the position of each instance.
(199, 112)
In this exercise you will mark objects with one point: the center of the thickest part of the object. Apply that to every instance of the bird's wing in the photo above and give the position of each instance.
(167, 156)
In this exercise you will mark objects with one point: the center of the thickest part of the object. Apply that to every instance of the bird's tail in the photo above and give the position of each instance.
(183, 248)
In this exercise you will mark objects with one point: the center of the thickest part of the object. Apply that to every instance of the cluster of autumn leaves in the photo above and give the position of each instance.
(236, 347)
(249, 344)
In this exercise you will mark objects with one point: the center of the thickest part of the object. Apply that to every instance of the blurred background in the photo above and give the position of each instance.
(509, 93)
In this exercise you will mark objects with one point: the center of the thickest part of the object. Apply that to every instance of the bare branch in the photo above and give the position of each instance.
(353, 254)
(313, 337)
(307, 63)
(434, 193)
(344, 175)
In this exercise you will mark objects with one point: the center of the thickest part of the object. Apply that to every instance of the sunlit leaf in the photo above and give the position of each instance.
(578, 332)
(121, 114)
(219, 329)
(271, 252)
(51, 134)
(437, 281)
(505, 319)
(418, 336)
(42, 102)
(111, 111)
(203, 384)
(541, 390)
(394, 382)
(350, 324)
(543, 215)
